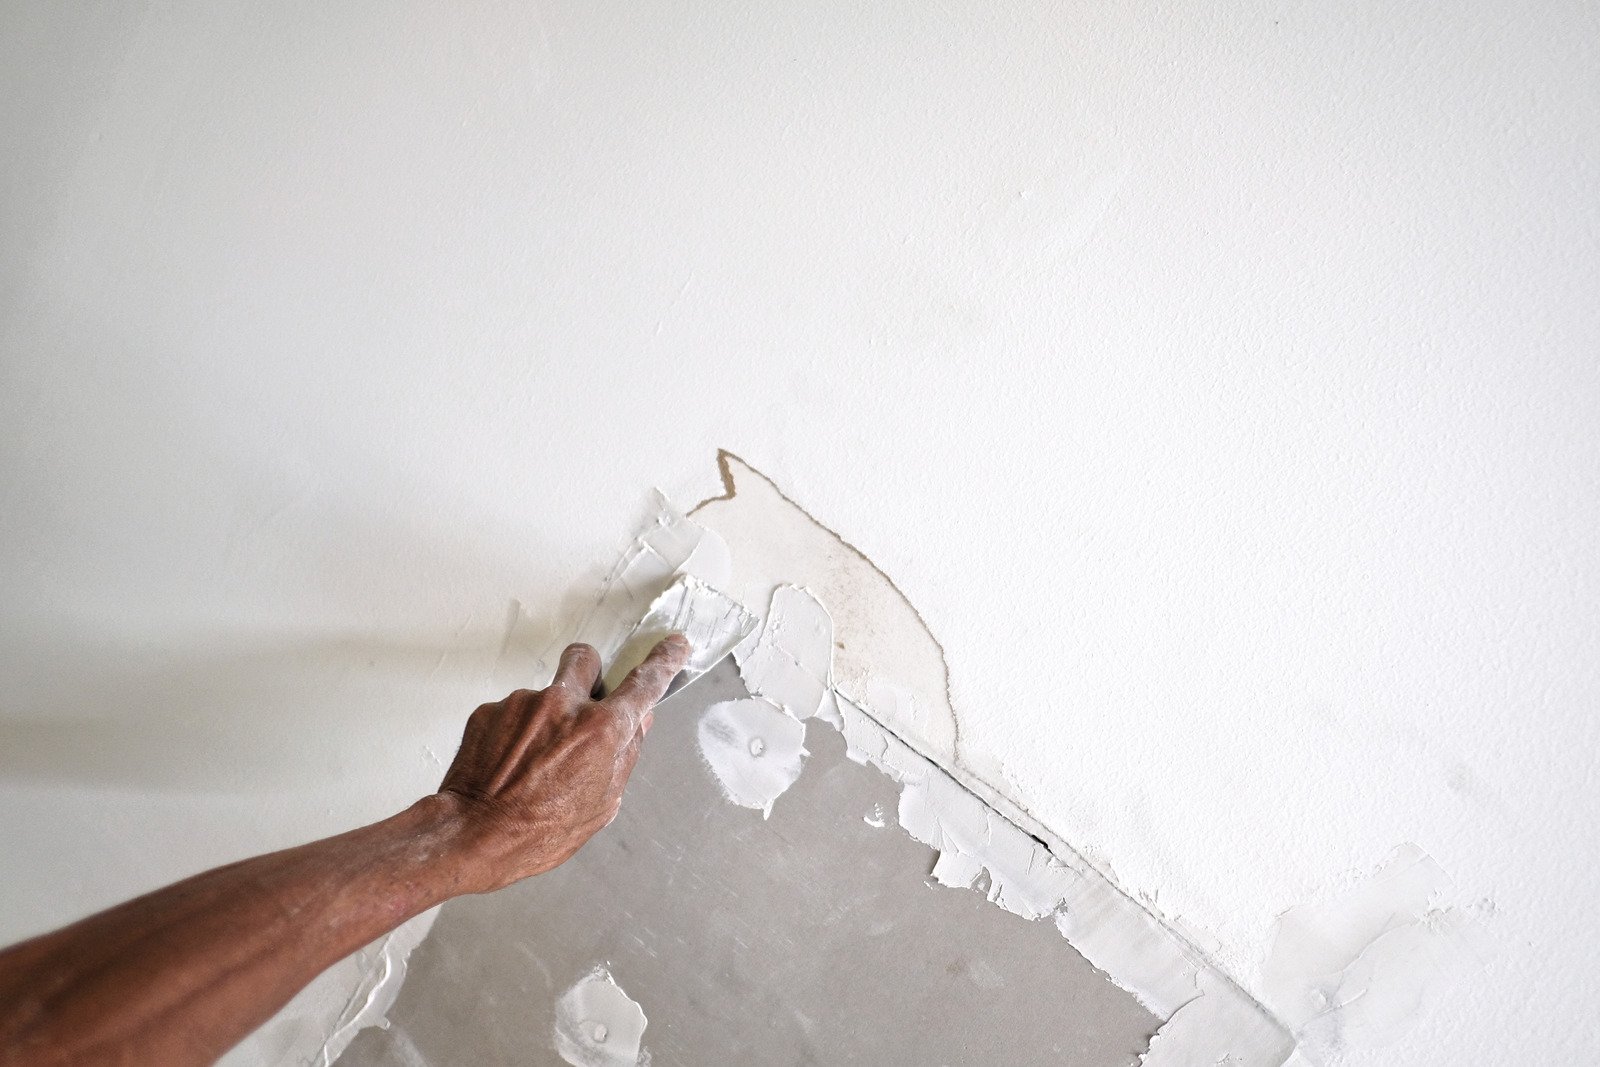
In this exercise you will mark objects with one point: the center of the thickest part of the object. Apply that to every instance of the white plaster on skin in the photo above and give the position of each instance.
(598, 1025)
(754, 749)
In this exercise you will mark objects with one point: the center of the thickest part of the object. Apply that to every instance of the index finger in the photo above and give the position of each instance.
(647, 683)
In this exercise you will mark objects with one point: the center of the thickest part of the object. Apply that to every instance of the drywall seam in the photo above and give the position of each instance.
(1160, 966)
(983, 844)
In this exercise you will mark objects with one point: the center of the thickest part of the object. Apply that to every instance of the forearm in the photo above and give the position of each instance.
(181, 975)
(178, 976)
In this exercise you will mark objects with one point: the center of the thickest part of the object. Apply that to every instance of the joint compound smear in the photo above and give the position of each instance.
(598, 1025)
(791, 661)
(1355, 970)
(754, 749)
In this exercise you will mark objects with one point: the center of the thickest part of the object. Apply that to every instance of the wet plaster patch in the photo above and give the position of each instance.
(755, 750)
(598, 1025)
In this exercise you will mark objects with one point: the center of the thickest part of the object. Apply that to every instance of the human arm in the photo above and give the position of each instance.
(180, 975)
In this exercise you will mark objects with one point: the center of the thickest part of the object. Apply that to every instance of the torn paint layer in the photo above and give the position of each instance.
(598, 1025)
(903, 725)
(712, 621)
(874, 625)
(754, 749)
(1354, 971)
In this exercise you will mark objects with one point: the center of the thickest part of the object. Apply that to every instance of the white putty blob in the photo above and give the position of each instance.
(671, 572)
(754, 750)
(598, 1025)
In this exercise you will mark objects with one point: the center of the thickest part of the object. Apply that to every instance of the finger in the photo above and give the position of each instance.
(647, 683)
(578, 671)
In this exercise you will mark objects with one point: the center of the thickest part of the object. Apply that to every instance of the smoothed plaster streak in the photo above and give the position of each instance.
(382, 970)
(1356, 970)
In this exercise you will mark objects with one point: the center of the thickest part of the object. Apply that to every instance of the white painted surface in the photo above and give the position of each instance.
(1220, 385)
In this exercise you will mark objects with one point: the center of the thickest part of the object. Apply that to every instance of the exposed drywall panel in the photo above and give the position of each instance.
(809, 937)
(1219, 385)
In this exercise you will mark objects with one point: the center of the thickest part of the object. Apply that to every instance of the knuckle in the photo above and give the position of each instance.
(612, 728)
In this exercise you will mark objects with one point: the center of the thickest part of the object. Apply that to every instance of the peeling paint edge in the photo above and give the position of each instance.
(1137, 951)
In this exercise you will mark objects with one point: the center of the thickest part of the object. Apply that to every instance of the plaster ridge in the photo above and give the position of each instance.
(725, 460)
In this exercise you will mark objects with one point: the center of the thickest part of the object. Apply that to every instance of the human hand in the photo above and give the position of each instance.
(542, 771)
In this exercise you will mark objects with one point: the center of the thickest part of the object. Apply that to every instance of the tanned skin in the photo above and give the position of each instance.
(179, 976)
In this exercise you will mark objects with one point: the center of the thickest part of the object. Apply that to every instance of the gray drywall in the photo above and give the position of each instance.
(811, 937)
